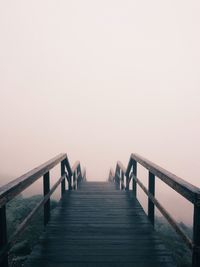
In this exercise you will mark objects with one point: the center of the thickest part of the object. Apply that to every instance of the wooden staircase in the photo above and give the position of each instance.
(98, 225)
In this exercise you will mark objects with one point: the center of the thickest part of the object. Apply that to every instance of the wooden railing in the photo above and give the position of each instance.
(122, 178)
(73, 175)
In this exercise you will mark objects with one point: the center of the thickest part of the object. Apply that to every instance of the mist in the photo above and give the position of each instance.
(100, 80)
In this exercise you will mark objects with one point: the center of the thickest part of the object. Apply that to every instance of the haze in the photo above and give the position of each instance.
(100, 80)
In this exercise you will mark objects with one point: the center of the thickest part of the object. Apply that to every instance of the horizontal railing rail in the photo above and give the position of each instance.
(185, 189)
(73, 175)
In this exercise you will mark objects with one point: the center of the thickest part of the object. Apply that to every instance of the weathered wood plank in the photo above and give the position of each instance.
(48, 263)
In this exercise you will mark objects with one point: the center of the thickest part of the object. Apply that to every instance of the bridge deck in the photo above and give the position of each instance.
(99, 226)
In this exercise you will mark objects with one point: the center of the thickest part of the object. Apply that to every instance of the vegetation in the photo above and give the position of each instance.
(181, 254)
(17, 210)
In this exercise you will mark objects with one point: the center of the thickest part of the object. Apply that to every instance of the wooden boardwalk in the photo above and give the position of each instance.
(98, 225)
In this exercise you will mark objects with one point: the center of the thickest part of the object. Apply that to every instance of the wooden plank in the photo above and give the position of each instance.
(48, 263)
(146, 258)
(106, 251)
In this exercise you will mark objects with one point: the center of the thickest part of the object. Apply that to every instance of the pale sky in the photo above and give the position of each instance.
(100, 80)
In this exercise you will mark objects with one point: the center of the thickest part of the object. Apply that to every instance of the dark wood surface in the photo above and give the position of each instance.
(151, 208)
(99, 226)
(46, 189)
(184, 188)
(14, 188)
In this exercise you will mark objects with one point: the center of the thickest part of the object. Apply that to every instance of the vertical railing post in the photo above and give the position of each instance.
(84, 176)
(78, 176)
(70, 182)
(74, 180)
(46, 189)
(122, 178)
(118, 179)
(63, 181)
(135, 174)
(127, 181)
(151, 208)
(196, 237)
(69, 174)
(3, 235)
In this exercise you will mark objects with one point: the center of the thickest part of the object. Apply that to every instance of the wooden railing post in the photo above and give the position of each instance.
(127, 181)
(74, 180)
(46, 189)
(135, 174)
(151, 209)
(79, 176)
(196, 237)
(122, 180)
(118, 179)
(3, 234)
(63, 181)
(70, 182)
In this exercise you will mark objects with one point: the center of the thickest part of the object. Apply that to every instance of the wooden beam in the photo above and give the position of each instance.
(27, 220)
(196, 237)
(151, 210)
(46, 189)
(169, 218)
(134, 164)
(121, 166)
(14, 188)
(63, 186)
(184, 188)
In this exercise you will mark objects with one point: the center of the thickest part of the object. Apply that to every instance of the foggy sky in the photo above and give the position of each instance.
(100, 80)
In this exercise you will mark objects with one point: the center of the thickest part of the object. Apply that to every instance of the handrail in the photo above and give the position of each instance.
(120, 172)
(9, 191)
(15, 187)
(77, 174)
(187, 190)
